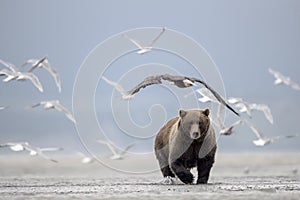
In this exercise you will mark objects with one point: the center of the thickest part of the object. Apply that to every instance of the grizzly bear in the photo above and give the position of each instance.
(185, 142)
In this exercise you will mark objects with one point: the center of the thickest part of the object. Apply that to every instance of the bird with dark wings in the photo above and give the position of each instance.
(179, 81)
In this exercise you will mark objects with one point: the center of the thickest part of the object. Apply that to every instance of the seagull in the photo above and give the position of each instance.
(117, 155)
(228, 130)
(33, 151)
(281, 79)
(44, 63)
(85, 159)
(55, 104)
(262, 140)
(295, 171)
(118, 87)
(3, 107)
(144, 49)
(246, 170)
(179, 81)
(248, 107)
(15, 74)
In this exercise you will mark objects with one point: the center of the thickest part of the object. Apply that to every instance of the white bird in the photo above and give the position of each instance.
(117, 154)
(207, 96)
(281, 79)
(228, 130)
(15, 74)
(55, 104)
(33, 151)
(144, 49)
(295, 170)
(248, 107)
(246, 170)
(119, 88)
(262, 140)
(85, 159)
(3, 107)
(44, 63)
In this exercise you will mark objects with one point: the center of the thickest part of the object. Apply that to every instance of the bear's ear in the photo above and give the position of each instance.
(182, 113)
(206, 112)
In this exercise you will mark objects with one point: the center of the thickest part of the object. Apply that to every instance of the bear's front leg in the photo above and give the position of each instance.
(181, 172)
(204, 166)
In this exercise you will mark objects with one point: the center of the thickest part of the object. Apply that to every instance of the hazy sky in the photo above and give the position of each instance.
(243, 38)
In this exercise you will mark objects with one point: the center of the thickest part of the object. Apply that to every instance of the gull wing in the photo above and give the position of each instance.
(10, 75)
(61, 108)
(135, 42)
(234, 100)
(34, 79)
(35, 63)
(244, 107)
(12, 67)
(265, 109)
(126, 149)
(217, 96)
(110, 146)
(47, 157)
(279, 77)
(257, 132)
(13, 146)
(51, 149)
(294, 85)
(35, 105)
(150, 80)
(207, 95)
(219, 121)
(157, 37)
(34, 151)
(238, 122)
(118, 87)
(45, 63)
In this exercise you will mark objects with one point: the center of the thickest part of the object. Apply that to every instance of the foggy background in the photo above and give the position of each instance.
(243, 38)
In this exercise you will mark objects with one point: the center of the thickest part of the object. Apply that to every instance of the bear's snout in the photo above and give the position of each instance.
(195, 135)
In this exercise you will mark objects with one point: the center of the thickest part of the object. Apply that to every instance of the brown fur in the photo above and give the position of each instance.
(185, 142)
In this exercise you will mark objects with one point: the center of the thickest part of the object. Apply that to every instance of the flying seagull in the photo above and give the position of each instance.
(228, 130)
(248, 107)
(55, 104)
(13, 73)
(281, 79)
(3, 107)
(117, 154)
(262, 140)
(179, 81)
(223, 129)
(33, 151)
(144, 49)
(207, 96)
(44, 63)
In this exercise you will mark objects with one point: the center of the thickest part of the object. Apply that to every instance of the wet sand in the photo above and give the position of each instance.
(234, 176)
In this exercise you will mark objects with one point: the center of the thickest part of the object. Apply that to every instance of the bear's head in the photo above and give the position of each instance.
(195, 123)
